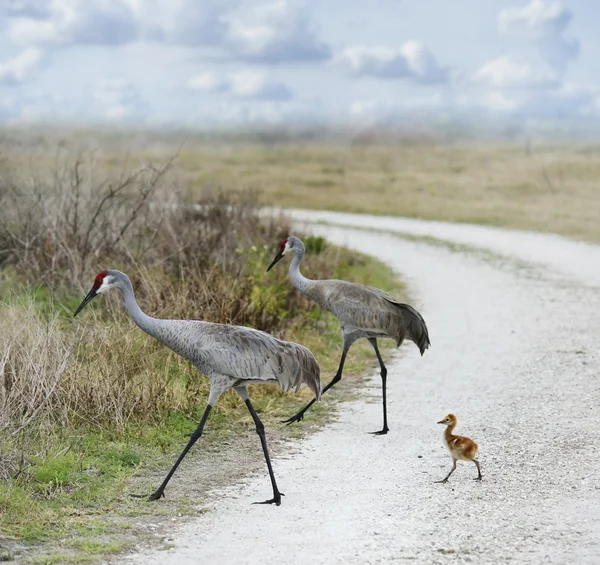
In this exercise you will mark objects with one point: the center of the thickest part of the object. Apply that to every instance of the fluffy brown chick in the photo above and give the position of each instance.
(460, 447)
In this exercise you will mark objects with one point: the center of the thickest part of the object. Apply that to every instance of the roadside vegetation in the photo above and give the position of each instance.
(91, 408)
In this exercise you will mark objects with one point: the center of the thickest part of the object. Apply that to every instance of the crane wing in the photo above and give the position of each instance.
(369, 308)
(248, 354)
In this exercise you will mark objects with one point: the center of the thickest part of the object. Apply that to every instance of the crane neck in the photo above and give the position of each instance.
(143, 321)
(298, 279)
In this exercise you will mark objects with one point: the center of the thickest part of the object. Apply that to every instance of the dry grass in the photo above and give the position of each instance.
(547, 188)
(195, 259)
(526, 185)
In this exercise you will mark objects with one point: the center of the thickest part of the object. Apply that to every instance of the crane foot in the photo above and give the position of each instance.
(295, 418)
(443, 481)
(275, 500)
(158, 494)
(380, 432)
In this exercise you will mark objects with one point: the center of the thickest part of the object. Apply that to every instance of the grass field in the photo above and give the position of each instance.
(546, 188)
(526, 185)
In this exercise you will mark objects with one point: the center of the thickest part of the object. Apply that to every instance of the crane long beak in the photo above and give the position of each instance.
(441, 422)
(90, 296)
(278, 258)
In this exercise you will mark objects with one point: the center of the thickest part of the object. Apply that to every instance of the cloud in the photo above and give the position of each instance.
(34, 9)
(267, 33)
(192, 23)
(497, 102)
(543, 22)
(64, 22)
(208, 82)
(504, 72)
(275, 33)
(118, 99)
(14, 71)
(565, 102)
(411, 61)
(257, 85)
(248, 84)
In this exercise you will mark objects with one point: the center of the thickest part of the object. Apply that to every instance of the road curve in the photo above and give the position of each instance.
(514, 355)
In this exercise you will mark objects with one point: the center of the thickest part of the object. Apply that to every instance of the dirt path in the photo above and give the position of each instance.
(514, 356)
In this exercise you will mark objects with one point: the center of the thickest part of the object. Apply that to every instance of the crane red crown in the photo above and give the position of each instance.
(283, 242)
(99, 279)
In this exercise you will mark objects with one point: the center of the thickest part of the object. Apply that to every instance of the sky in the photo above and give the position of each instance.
(233, 62)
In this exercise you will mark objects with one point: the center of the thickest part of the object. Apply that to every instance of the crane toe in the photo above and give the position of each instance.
(295, 418)
(380, 432)
(275, 500)
(158, 494)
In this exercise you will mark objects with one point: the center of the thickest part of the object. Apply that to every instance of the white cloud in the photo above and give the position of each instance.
(192, 23)
(268, 33)
(565, 102)
(412, 60)
(504, 72)
(544, 22)
(538, 19)
(257, 85)
(63, 22)
(36, 9)
(498, 102)
(14, 71)
(246, 84)
(274, 33)
(118, 99)
(207, 82)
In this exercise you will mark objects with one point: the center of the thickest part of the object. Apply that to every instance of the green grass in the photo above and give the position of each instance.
(73, 493)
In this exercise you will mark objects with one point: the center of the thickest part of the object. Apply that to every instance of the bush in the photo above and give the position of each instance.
(190, 259)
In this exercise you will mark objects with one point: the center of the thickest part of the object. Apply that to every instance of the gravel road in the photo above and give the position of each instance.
(514, 355)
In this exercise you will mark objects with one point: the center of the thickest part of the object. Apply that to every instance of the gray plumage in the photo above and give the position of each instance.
(230, 356)
(363, 311)
(368, 311)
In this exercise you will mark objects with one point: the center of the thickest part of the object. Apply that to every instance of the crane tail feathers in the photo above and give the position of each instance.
(415, 328)
(296, 367)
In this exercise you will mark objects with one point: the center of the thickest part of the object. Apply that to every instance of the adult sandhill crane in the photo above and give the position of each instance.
(363, 311)
(230, 356)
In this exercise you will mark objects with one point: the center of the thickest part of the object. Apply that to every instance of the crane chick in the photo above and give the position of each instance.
(460, 447)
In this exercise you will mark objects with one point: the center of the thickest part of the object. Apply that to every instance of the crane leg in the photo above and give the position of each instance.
(193, 439)
(385, 429)
(479, 477)
(338, 376)
(445, 479)
(260, 430)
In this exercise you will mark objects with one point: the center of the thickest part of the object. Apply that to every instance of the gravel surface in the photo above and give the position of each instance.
(514, 355)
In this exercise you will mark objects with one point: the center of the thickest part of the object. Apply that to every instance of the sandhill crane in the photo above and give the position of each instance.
(230, 356)
(363, 311)
(460, 447)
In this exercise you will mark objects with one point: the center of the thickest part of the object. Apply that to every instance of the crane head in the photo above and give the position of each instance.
(101, 284)
(283, 249)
